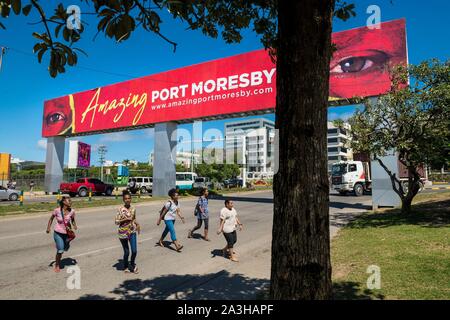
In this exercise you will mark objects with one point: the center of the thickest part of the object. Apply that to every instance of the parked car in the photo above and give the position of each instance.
(9, 194)
(233, 183)
(144, 184)
(203, 182)
(83, 185)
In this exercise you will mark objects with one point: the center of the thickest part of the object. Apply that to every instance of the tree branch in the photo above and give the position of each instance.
(44, 20)
(393, 178)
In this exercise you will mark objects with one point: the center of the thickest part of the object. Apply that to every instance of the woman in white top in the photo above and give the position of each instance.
(228, 223)
(169, 213)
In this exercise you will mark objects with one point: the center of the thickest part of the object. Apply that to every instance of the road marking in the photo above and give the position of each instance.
(22, 235)
(103, 249)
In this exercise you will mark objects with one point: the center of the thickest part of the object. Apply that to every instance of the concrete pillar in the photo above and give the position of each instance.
(54, 163)
(382, 193)
(164, 158)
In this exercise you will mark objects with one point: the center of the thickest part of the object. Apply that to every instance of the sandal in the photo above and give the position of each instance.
(179, 248)
(135, 271)
(56, 269)
(234, 259)
(190, 234)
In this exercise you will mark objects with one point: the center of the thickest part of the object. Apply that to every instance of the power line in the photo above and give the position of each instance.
(127, 76)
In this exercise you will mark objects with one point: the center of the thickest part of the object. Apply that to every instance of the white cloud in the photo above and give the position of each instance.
(116, 137)
(149, 133)
(42, 144)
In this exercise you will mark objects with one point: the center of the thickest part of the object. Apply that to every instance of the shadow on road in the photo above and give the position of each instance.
(66, 262)
(244, 199)
(214, 286)
(346, 205)
(218, 253)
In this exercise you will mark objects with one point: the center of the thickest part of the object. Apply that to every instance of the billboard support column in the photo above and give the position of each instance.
(54, 163)
(164, 177)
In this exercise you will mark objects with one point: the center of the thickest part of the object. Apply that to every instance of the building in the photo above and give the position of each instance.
(259, 147)
(338, 144)
(183, 158)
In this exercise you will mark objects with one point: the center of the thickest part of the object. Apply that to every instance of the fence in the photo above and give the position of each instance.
(22, 182)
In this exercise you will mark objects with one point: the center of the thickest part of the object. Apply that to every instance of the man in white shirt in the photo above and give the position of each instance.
(228, 223)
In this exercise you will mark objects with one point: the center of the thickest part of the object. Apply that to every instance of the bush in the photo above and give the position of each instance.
(439, 177)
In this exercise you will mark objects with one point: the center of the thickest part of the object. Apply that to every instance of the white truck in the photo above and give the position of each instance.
(355, 176)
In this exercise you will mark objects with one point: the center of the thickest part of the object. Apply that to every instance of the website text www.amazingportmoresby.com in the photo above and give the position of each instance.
(213, 97)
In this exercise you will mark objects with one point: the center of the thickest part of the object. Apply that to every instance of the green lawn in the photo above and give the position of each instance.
(413, 252)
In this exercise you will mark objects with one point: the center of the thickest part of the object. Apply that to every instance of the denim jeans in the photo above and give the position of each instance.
(61, 242)
(170, 227)
(126, 250)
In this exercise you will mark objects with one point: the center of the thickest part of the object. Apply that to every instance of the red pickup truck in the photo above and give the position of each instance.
(82, 187)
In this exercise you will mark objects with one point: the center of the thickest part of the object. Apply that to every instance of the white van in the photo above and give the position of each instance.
(145, 184)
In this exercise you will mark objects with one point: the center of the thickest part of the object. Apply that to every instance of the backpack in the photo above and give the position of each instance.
(162, 209)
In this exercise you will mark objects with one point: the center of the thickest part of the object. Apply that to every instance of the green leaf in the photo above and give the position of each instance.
(5, 10)
(16, 5)
(26, 10)
(57, 29)
(66, 34)
(41, 53)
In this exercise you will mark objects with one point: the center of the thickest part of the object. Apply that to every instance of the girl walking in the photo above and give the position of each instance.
(228, 223)
(63, 230)
(169, 214)
(128, 226)
(202, 214)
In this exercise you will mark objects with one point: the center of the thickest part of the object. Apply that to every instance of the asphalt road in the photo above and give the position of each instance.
(26, 252)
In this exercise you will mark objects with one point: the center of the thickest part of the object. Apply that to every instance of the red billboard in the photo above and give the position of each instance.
(234, 85)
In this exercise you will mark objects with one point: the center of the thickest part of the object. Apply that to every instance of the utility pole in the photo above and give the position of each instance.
(2, 53)
(102, 150)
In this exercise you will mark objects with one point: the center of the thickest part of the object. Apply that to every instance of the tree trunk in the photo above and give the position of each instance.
(406, 205)
(301, 266)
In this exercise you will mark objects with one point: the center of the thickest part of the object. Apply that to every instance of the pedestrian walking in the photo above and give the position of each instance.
(128, 227)
(169, 214)
(202, 213)
(64, 228)
(228, 223)
(31, 187)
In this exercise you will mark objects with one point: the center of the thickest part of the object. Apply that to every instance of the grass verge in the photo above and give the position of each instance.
(412, 252)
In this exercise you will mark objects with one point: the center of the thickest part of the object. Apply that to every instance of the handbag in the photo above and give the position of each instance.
(70, 233)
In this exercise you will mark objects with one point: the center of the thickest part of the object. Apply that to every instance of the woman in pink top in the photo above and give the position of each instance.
(60, 232)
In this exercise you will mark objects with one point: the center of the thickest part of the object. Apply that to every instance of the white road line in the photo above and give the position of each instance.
(22, 235)
(103, 249)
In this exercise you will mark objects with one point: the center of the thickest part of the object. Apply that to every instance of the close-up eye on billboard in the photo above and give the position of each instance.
(360, 67)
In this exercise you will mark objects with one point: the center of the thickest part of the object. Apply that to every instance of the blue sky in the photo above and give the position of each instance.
(25, 84)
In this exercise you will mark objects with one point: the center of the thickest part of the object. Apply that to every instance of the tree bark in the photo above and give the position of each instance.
(301, 267)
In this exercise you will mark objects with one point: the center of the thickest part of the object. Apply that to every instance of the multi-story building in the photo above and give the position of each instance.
(183, 158)
(338, 144)
(259, 143)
